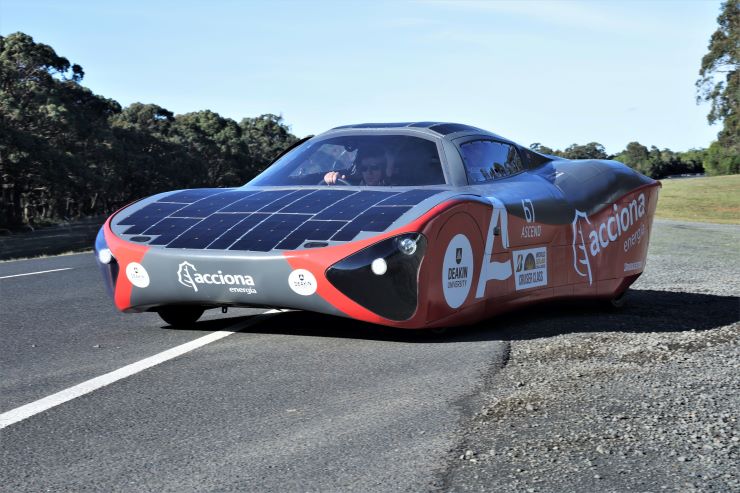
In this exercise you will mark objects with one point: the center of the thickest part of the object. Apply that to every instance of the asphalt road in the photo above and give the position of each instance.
(289, 402)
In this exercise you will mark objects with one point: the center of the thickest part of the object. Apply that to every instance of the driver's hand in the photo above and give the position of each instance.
(332, 176)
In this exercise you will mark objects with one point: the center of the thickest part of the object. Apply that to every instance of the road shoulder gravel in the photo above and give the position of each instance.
(643, 399)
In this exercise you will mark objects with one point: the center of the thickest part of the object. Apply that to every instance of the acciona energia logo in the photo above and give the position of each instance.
(189, 276)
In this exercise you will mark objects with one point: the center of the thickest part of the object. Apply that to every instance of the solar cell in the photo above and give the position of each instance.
(352, 206)
(136, 229)
(203, 233)
(270, 232)
(209, 205)
(423, 124)
(190, 196)
(375, 125)
(317, 201)
(448, 128)
(311, 230)
(375, 219)
(285, 200)
(169, 228)
(237, 231)
(148, 215)
(256, 201)
(412, 197)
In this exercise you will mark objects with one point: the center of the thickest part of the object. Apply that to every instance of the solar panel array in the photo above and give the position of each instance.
(218, 219)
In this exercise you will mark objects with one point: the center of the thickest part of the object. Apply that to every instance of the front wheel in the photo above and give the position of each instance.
(179, 316)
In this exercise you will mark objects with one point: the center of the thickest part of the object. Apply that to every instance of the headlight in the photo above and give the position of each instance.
(105, 256)
(407, 246)
(106, 262)
(379, 266)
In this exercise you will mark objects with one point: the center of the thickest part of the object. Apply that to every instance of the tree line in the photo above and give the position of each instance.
(653, 162)
(66, 152)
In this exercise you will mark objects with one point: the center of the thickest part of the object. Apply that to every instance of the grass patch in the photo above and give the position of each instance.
(713, 199)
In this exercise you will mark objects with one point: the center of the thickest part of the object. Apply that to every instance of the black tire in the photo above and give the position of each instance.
(179, 316)
(439, 331)
(618, 301)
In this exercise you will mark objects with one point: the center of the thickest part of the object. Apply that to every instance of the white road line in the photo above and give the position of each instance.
(41, 405)
(34, 273)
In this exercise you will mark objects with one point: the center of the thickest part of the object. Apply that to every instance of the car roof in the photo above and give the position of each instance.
(442, 131)
(437, 129)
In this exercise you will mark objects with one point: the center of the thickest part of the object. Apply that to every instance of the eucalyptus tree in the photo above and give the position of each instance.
(214, 146)
(592, 150)
(719, 84)
(52, 133)
(265, 136)
(67, 152)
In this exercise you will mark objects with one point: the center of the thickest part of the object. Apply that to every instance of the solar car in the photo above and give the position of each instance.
(411, 225)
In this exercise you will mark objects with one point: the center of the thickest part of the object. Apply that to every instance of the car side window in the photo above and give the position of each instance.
(513, 161)
(487, 160)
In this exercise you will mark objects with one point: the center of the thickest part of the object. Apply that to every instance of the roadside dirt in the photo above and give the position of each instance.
(642, 399)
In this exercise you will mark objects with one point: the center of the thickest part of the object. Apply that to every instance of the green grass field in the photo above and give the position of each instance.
(714, 199)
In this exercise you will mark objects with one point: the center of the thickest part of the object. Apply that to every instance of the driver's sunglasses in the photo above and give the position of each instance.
(372, 167)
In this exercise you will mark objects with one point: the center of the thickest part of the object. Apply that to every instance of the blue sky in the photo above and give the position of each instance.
(555, 72)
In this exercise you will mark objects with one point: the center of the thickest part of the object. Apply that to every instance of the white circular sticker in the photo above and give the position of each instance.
(302, 282)
(137, 274)
(457, 271)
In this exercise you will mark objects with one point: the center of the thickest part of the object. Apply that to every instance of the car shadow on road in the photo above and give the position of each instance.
(645, 311)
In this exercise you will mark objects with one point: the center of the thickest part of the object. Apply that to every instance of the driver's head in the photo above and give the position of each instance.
(371, 164)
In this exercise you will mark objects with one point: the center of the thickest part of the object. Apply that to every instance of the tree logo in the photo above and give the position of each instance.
(189, 277)
(616, 222)
(185, 276)
(580, 252)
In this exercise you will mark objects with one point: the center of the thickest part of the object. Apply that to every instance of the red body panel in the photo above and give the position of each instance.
(125, 252)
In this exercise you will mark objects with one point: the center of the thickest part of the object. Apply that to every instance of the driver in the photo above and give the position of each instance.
(370, 163)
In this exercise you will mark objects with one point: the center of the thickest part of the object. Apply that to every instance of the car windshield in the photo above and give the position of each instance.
(368, 160)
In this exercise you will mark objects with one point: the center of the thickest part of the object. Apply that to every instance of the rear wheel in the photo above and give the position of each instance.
(439, 331)
(618, 301)
(179, 316)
